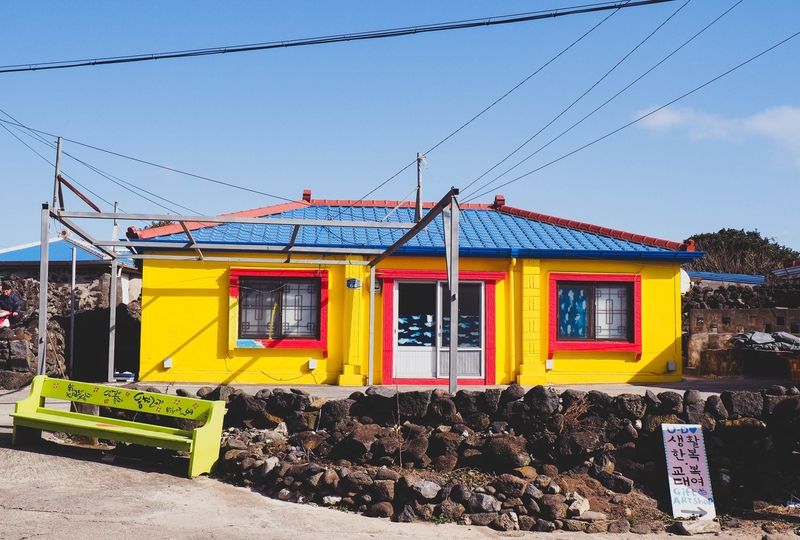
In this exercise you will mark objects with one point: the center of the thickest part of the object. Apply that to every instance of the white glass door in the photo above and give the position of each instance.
(422, 330)
(470, 330)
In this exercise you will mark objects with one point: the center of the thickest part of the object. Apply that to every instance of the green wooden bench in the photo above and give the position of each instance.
(31, 417)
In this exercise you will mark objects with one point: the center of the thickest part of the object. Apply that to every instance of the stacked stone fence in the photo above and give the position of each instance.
(507, 458)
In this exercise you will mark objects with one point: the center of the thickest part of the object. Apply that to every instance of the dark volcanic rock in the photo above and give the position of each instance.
(577, 443)
(443, 411)
(615, 482)
(716, 408)
(284, 403)
(671, 402)
(742, 403)
(630, 406)
(553, 507)
(693, 405)
(333, 411)
(542, 401)
(571, 397)
(444, 443)
(414, 405)
(506, 452)
(512, 392)
(468, 402)
(491, 400)
(600, 401)
(381, 509)
(510, 485)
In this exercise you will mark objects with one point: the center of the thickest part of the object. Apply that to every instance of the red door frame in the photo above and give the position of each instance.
(489, 280)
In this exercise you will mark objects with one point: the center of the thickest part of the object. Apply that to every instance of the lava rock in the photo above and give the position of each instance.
(506, 452)
(414, 405)
(481, 502)
(542, 401)
(743, 403)
(716, 408)
(693, 405)
(671, 402)
(381, 509)
(512, 392)
(553, 506)
(333, 411)
(630, 406)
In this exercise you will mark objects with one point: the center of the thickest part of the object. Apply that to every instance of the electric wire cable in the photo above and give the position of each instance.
(152, 164)
(648, 114)
(46, 160)
(486, 185)
(488, 107)
(116, 180)
(335, 38)
(581, 96)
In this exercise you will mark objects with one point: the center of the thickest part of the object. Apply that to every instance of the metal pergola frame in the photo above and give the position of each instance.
(111, 250)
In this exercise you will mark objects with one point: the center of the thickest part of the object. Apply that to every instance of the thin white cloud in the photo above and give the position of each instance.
(780, 125)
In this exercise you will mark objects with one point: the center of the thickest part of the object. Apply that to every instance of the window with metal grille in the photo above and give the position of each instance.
(277, 308)
(595, 311)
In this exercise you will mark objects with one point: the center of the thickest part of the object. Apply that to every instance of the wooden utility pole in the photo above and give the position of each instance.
(418, 208)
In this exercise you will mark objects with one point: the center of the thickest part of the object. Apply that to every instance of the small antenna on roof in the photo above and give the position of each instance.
(418, 208)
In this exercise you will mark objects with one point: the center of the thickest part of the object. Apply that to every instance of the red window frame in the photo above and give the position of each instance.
(489, 280)
(288, 343)
(555, 344)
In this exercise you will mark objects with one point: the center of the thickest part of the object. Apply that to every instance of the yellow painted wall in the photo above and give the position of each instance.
(185, 317)
(661, 327)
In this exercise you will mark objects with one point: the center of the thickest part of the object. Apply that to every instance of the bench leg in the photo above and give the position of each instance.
(22, 435)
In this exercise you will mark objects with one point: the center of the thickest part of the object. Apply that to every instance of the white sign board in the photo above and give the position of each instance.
(687, 471)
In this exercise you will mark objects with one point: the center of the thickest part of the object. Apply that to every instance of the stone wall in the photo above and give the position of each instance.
(507, 458)
(19, 344)
(712, 329)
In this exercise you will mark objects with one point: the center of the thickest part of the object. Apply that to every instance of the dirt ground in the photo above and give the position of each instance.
(53, 491)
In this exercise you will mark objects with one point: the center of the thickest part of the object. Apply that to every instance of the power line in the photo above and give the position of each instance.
(152, 164)
(108, 176)
(32, 149)
(642, 117)
(485, 109)
(336, 38)
(580, 97)
(606, 102)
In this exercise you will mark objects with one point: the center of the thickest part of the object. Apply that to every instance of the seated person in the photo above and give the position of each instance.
(10, 306)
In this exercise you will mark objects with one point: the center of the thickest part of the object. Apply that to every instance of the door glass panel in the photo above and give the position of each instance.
(469, 316)
(416, 314)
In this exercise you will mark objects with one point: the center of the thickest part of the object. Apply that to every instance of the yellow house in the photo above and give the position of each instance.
(542, 300)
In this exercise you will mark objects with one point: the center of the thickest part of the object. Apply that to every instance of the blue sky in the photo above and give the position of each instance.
(340, 118)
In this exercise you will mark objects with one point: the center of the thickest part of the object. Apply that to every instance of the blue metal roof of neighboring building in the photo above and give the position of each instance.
(744, 279)
(484, 232)
(59, 251)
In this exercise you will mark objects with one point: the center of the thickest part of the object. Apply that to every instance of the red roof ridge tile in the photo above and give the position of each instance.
(596, 229)
(174, 228)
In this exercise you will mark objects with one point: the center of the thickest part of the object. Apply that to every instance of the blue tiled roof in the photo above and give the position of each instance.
(484, 232)
(746, 279)
(59, 251)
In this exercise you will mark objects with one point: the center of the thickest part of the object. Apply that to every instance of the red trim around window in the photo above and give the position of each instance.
(287, 343)
(634, 346)
(489, 290)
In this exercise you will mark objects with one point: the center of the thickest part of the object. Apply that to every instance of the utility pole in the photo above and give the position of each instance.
(58, 197)
(112, 302)
(418, 210)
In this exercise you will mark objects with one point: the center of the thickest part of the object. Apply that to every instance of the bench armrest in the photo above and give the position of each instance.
(206, 441)
(34, 399)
